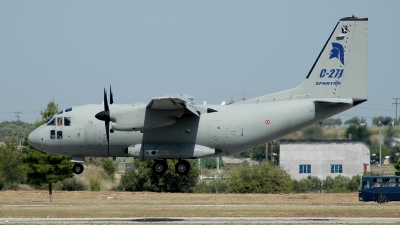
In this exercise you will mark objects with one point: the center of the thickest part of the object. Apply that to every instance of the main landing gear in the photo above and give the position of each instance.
(77, 168)
(182, 167)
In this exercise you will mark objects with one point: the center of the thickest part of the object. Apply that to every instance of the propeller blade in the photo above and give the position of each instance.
(107, 124)
(106, 109)
(111, 97)
(105, 116)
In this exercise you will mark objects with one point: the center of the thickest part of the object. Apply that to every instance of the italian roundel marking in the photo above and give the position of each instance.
(267, 122)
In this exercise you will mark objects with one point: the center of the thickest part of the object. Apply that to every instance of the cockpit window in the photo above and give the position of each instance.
(68, 109)
(52, 122)
(60, 112)
(59, 121)
(67, 121)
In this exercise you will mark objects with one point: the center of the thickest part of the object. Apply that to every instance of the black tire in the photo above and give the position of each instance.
(182, 167)
(160, 167)
(381, 199)
(77, 168)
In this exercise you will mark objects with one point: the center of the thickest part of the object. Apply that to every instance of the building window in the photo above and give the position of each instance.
(337, 168)
(304, 168)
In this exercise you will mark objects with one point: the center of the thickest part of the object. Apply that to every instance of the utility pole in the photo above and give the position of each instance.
(218, 172)
(396, 103)
(271, 157)
(18, 116)
(380, 153)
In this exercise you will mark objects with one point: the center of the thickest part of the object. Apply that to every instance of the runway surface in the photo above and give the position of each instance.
(199, 220)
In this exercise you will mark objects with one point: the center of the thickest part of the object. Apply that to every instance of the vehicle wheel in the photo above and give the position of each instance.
(182, 167)
(160, 167)
(381, 199)
(77, 168)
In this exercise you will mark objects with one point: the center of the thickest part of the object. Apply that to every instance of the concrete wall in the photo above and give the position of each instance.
(321, 155)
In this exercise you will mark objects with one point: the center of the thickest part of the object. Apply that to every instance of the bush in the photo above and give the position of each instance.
(211, 163)
(213, 186)
(309, 184)
(146, 180)
(12, 169)
(95, 184)
(129, 181)
(73, 184)
(338, 184)
(261, 178)
(109, 167)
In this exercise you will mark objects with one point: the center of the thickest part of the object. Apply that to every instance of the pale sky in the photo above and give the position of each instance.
(71, 50)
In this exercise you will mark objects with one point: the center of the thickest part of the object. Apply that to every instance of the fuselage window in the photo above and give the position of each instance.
(52, 134)
(52, 122)
(67, 121)
(68, 110)
(59, 121)
(59, 134)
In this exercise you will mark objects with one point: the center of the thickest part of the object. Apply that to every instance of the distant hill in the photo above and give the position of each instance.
(14, 130)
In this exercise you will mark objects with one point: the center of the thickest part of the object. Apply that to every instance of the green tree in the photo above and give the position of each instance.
(355, 121)
(378, 119)
(261, 178)
(389, 135)
(308, 184)
(397, 167)
(313, 132)
(211, 162)
(15, 130)
(245, 154)
(146, 180)
(258, 154)
(109, 167)
(358, 133)
(12, 169)
(340, 184)
(48, 113)
(44, 168)
(331, 122)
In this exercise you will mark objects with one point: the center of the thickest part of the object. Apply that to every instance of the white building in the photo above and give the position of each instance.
(324, 158)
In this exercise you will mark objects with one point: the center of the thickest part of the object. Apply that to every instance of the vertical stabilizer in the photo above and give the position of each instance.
(341, 69)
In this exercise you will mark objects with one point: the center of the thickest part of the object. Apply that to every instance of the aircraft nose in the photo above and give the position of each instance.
(34, 139)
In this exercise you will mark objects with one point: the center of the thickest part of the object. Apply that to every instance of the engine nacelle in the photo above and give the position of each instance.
(139, 117)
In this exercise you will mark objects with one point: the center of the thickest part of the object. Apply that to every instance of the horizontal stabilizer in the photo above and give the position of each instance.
(343, 101)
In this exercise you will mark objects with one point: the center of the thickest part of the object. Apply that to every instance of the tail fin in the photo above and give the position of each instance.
(341, 69)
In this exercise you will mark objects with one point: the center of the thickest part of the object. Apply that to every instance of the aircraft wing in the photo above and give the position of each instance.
(173, 101)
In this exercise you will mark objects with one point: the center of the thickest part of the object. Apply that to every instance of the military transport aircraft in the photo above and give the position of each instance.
(174, 127)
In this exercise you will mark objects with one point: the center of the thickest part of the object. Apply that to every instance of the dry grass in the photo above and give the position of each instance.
(35, 204)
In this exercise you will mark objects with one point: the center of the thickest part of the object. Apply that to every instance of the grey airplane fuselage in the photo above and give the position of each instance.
(229, 129)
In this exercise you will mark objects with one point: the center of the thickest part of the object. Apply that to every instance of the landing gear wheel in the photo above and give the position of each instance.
(77, 168)
(160, 167)
(381, 199)
(182, 167)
